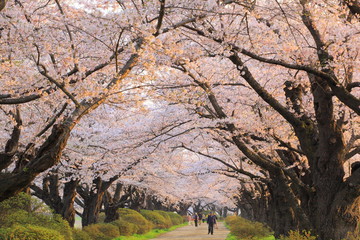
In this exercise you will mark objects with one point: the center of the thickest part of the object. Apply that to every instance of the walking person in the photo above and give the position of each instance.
(190, 220)
(196, 218)
(211, 221)
(200, 218)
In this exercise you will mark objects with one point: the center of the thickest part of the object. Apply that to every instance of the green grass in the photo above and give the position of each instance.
(232, 237)
(152, 234)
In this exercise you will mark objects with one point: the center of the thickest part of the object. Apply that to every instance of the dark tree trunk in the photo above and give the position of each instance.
(254, 207)
(47, 156)
(49, 192)
(151, 204)
(68, 211)
(197, 207)
(111, 213)
(327, 169)
(183, 208)
(11, 147)
(93, 199)
(113, 203)
(136, 199)
(50, 195)
(92, 206)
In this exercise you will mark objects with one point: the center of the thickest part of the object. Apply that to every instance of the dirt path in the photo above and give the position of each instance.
(196, 233)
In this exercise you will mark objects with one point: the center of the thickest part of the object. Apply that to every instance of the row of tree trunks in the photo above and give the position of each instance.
(50, 194)
(307, 201)
(94, 200)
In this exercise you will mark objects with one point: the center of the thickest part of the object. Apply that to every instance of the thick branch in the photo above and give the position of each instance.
(2, 4)
(161, 17)
(350, 86)
(235, 168)
(287, 145)
(246, 74)
(52, 121)
(9, 99)
(352, 153)
(12, 144)
(60, 86)
(354, 6)
(70, 37)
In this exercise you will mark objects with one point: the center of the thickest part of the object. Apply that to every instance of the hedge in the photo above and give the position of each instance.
(136, 218)
(30, 232)
(246, 229)
(102, 231)
(156, 218)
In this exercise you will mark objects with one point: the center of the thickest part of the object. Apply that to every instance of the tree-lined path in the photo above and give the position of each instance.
(247, 106)
(196, 233)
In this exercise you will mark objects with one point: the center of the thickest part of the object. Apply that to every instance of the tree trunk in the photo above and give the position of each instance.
(111, 213)
(93, 199)
(50, 195)
(47, 156)
(92, 203)
(327, 169)
(68, 210)
(92, 206)
(183, 208)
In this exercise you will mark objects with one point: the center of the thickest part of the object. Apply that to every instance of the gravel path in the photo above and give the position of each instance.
(196, 233)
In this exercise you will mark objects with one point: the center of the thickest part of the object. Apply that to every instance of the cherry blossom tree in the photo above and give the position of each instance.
(62, 61)
(267, 90)
(303, 108)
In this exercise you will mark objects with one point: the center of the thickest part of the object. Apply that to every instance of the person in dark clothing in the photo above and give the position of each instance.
(200, 218)
(196, 218)
(211, 221)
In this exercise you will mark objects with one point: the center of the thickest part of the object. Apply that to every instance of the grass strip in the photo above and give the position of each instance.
(152, 234)
(232, 237)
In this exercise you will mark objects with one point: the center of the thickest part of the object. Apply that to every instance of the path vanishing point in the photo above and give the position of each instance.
(195, 233)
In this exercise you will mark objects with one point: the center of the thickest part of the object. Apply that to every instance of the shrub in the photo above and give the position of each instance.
(136, 218)
(166, 216)
(31, 232)
(231, 220)
(176, 219)
(21, 201)
(101, 217)
(143, 225)
(4, 233)
(79, 234)
(354, 235)
(126, 228)
(126, 211)
(102, 231)
(246, 229)
(156, 218)
(24, 210)
(296, 235)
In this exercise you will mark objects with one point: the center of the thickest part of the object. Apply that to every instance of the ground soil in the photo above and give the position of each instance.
(196, 233)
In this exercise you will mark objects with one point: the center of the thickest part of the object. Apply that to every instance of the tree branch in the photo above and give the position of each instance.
(246, 74)
(2, 4)
(352, 153)
(52, 121)
(161, 17)
(12, 144)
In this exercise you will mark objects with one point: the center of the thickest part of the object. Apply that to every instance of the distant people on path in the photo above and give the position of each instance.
(200, 218)
(211, 221)
(204, 218)
(190, 220)
(196, 219)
